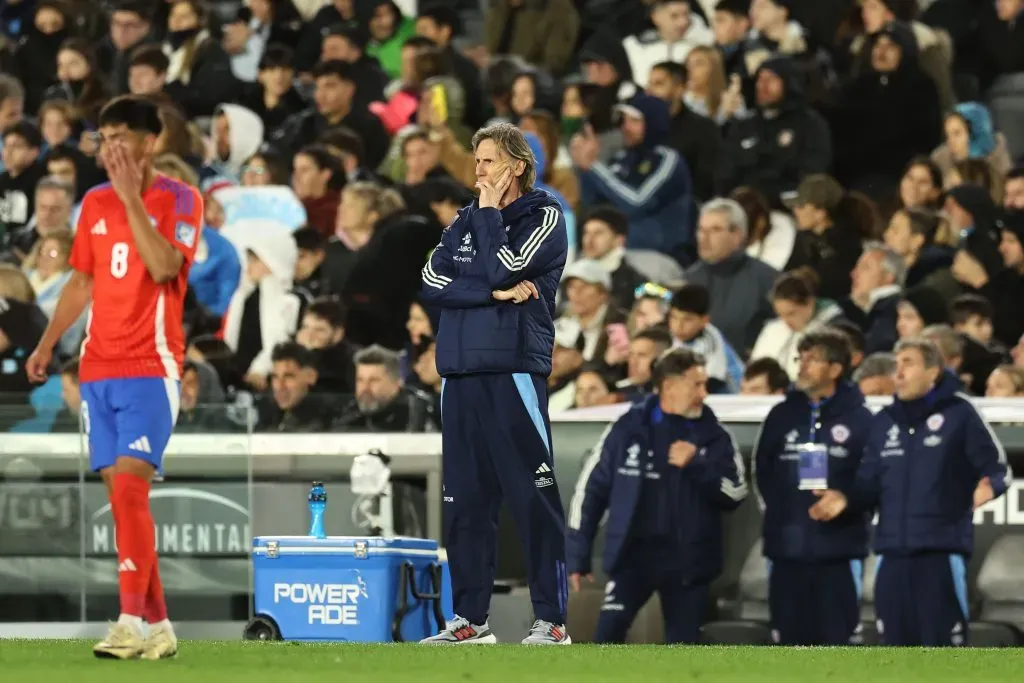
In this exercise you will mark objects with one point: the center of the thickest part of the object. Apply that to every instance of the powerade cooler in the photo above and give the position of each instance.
(346, 588)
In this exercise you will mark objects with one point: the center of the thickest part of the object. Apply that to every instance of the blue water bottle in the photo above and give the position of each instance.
(317, 508)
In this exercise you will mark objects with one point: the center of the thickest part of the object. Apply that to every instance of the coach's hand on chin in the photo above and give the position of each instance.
(830, 505)
(518, 293)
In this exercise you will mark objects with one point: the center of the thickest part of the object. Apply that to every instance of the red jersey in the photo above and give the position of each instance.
(135, 325)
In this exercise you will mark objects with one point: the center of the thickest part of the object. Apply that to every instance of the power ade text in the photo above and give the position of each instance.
(334, 604)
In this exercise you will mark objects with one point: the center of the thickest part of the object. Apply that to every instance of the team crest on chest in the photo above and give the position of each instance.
(840, 433)
(935, 422)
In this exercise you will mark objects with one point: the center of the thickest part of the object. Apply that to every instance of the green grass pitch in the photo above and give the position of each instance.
(71, 661)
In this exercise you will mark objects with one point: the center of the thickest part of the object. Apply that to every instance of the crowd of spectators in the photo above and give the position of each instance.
(734, 175)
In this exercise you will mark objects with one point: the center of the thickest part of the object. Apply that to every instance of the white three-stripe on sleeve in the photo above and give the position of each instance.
(431, 277)
(735, 491)
(511, 260)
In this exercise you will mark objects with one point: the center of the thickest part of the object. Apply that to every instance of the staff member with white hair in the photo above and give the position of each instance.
(738, 283)
(930, 460)
(875, 295)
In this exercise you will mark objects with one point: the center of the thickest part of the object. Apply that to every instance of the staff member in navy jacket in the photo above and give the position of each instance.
(494, 277)
(664, 473)
(930, 460)
(810, 441)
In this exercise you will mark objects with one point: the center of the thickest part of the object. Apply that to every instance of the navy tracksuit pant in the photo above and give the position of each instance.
(496, 442)
(921, 600)
(815, 603)
(652, 567)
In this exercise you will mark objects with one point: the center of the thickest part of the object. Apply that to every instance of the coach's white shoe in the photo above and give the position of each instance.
(122, 642)
(161, 643)
(546, 633)
(459, 631)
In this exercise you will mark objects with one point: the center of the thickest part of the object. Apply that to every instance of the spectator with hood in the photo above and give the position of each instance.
(647, 181)
(264, 311)
(918, 308)
(897, 107)
(199, 77)
(1005, 289)
(676, 31)
(831, 225)
(36, 56)
(970, 135)
(543, 32)
(237, 135)
(783, 141)
(976, 219)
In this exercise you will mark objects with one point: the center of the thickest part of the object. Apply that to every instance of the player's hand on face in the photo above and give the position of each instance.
(38, 364)
(831, 504)
(575, 579)
(125, 174)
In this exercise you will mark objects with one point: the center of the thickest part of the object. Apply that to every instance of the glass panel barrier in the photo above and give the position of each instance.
(42, 577)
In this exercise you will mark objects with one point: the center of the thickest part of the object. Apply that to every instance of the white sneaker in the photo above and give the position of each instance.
(546, 633)
(161, 643)
(459, 631)
(122, 642)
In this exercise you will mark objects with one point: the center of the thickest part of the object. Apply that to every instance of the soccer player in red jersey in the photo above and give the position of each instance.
(133, 247)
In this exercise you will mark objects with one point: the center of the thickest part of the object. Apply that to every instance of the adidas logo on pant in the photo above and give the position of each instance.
(141, 445)
(541, 480)
(126, 566)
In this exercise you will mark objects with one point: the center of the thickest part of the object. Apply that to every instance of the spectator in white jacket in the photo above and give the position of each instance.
(677, 30)
(795, 300)
(264, 311)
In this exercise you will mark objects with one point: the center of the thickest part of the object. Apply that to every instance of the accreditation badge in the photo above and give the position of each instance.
(813, 466)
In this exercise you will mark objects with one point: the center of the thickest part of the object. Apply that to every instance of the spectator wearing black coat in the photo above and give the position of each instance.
(348, 43)
(382, 403)
(273, 97)
(896, 105)
(290, 406)
(307, 52)
(130, 28)
(875, 296)
(1002, 42)
(323, 332)
(200, 75)
(36, 56)
(334, 96)
(781, 143)
(976, 218)
(440, 23)
(695, 137)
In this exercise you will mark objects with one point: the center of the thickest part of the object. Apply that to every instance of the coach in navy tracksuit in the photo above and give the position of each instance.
(664, 473)
(930, 460)
(494, 277)
(815, 568)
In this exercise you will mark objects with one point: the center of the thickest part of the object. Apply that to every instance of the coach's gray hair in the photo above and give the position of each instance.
(511, 142)
(52, 182)
(879, 364)
(892, 262)
(732, 211)
(375, 354)
(928, 349)
(948, 341)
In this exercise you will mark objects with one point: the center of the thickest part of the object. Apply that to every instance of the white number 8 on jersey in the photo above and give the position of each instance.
(119, 260)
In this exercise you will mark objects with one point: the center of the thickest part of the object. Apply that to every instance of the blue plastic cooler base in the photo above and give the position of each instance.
(344, 588)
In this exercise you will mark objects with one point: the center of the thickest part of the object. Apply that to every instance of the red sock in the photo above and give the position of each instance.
(156, 608)
(136, 554)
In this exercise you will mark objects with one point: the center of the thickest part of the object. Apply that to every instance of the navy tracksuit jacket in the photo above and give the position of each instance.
(664, 529)
(921, 465)
(495, 357)
(815, 568)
